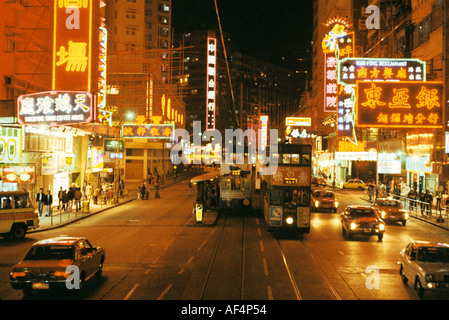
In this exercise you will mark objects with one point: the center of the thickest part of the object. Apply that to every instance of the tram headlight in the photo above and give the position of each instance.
(317, 204)
(289, 220)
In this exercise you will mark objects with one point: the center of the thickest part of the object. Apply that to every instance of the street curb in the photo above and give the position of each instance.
(77, 219)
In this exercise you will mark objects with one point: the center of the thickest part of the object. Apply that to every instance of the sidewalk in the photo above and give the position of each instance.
(60, 218)
(436, 217)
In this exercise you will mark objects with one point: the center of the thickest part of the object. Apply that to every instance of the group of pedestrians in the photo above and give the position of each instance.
(42, 200)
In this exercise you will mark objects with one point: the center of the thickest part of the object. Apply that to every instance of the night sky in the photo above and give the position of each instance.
(267, 29)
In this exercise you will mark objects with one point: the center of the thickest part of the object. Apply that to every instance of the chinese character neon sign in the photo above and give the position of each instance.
(400, 104)
(55, 108)
(210, 85)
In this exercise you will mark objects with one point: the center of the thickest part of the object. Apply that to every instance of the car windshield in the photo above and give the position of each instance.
(50, 252)
(389, 203)
(323, 194)
(433, 254)
(356, 213)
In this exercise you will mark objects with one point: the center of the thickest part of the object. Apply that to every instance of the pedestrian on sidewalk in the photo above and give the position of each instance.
(77, 196)
(143, 190)
(60, 192)
(40, 199)
(428, 199)
(65, 200)
(48, 203)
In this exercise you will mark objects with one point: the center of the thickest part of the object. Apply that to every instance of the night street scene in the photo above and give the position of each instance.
(224, 158)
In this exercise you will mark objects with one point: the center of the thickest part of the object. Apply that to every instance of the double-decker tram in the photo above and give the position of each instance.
(286, 194)
(235, 187)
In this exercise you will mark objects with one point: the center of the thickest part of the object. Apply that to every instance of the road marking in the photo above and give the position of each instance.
(257, 221)
(270, 293)
(261, 246)
(131, 292)
(258, 231)
(340, 252)
(265, 266)
(147, 271)
(190, 260)
(181, 271)
(164, 292)
(168, 244)
(202, 245)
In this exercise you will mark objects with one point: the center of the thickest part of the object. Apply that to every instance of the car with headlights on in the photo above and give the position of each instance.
(46, 265)
(362, 220)
(426, 265)
(323, 199)
(391, 210)
(319, 181)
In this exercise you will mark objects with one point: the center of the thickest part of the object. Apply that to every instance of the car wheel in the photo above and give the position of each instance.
(380, 237)
(99, 273)
(401, 272)
(28, 291)
(360, 188)
(419, 289)
(404, 222)
(18, 231)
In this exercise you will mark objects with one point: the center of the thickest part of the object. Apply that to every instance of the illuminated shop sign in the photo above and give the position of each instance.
(399, 104)
(113, 145)
(351, 70)
(72, 44)
(55, 108)
(345, 113)
(211, 79)
(10, 150)
(264, 132)
(298, 122)
(19, 174)
(160, 131)
(388, 163)
(97, 158)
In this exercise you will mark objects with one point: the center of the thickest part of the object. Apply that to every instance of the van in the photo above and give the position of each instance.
(17, 214)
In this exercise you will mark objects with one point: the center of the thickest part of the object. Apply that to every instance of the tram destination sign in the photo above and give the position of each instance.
(55, 108)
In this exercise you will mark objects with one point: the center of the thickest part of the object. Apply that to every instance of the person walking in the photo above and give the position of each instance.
(428, 199)
(77, 196)
(65, 200)
(48, 203)
(143, 190)
(40, 199)
(60, 192)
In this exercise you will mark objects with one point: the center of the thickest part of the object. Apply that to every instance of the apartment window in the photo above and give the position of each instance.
(131, 14)
(10, 45)
(163, 20)
(131, 30)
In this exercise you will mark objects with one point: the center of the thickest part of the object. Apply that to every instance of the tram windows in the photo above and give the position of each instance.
(290, 196)
(295, 158)
(306, 160)
(286, 158)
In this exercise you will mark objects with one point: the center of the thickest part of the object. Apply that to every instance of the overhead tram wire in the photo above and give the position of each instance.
(227, 64)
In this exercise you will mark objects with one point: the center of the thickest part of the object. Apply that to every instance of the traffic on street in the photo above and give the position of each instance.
(157, 251)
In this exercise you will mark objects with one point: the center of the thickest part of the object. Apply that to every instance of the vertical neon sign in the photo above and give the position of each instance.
(210, 85)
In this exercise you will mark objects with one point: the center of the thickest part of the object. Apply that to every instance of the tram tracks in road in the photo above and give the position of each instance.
(299, 279)
(227, 266)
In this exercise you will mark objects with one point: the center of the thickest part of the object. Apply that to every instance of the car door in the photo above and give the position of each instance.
(85, 258)
(409, 256)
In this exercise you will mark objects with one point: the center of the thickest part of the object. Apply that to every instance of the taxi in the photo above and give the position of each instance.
(362, 220)
(17, 214)
(323, 199)
(391, 210)
(354, 184)
(49, 265)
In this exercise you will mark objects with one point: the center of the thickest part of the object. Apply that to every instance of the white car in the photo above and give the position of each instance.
(426, 265)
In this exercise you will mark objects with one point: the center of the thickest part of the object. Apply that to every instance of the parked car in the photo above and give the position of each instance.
(362, 220)
(17, 214)
(391, 210)
(354, 184)
(319, 181)
(45, 265)
(323, 199)
(426, 265)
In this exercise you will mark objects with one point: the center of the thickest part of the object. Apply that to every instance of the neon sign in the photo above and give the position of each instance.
(351, 70)
(210, 85)
(72, 44)
(160, 131)
(400, 104)
(55, 108)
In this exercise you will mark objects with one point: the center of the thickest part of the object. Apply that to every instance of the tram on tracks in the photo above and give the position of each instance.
(236, 187)
(286, 194)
